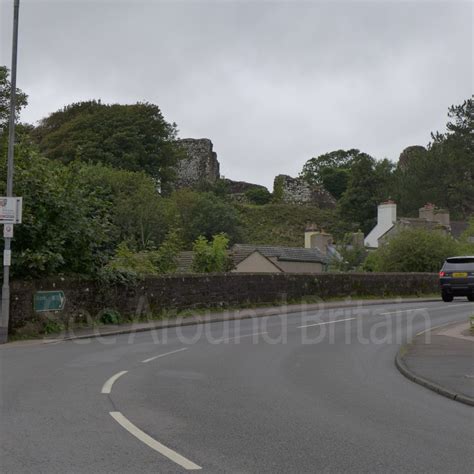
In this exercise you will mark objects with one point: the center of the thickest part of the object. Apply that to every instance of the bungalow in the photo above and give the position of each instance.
(269, 259)
(313, 258)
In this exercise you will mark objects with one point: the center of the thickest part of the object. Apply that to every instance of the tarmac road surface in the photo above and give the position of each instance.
(312, 393)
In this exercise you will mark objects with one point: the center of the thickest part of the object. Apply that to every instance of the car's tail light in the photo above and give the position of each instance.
(441, 274)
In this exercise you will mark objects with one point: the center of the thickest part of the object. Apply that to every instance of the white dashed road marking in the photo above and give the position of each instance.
(165, 354)
(402, 311)
(227, 339)
(152, 443)
(328, 322)
(108, 385)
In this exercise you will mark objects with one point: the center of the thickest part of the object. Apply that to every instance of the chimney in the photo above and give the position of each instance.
(442, 216)
(321, 241)
(357, 239)
(386, 218)
(387, 213)
(427, 212)
(310, 230)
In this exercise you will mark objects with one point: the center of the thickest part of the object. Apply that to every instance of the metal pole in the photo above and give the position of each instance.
(5, 315)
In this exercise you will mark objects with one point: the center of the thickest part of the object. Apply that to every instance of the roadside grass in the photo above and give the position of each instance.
(53, 324)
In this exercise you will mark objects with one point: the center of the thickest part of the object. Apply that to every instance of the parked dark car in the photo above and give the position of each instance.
(456, 278)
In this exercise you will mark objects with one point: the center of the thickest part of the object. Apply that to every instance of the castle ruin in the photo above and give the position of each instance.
(199, 164)
(298, 191)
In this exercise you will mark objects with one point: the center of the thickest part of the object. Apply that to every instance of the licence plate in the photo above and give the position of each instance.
(460, 275)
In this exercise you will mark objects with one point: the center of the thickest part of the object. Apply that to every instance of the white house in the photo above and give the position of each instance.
(429, 218)
(386, 218)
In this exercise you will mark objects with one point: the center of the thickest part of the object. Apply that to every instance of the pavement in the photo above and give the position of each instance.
(297, 392)
(442, 359)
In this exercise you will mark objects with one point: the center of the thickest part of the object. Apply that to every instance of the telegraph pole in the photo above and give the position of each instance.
(5, 314)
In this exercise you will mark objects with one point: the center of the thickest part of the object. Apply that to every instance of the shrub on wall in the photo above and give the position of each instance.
(128, 265)
(258, 196)
(278, 189)
(413, 250)
(211, 256)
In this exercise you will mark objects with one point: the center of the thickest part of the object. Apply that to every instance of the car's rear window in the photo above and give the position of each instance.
(465, 264)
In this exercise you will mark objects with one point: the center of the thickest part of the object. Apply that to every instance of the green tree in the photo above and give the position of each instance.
(444, 173)
(211, 256)
(332, 170)
(258, 196)
(64, 229)
(412, 250)
(205, 214)
(466, 242)
(131, 137)
(367, 186)
(335, 180)
(165, 258)
(127, 262)
(128, 265)
(5, 91)
(140, 215)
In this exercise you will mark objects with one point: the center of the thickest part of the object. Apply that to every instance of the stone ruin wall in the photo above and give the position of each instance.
(298, 191)
(199, 164)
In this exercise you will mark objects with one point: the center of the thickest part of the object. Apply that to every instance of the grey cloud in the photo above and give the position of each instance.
(271, 83)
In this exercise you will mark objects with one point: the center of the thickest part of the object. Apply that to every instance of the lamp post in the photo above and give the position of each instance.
(5, 308)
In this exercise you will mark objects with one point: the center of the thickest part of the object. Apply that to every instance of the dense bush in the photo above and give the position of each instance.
(65, 228)
(415, 250)
(128, 265)
(258, 196)
(133, 137)
(204, 214)
(211, 256)
(140, 216)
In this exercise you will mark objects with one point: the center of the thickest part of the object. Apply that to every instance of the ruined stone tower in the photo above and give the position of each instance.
(199, 165)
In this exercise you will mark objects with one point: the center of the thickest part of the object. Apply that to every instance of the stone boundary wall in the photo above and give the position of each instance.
(211, 290)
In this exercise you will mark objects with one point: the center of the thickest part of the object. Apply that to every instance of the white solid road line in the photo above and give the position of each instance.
(402, 311)
(165, 354)
(328, 322)
(432, 328)
(108, 385)
(152, 443)
(227, 339)
(434, 308)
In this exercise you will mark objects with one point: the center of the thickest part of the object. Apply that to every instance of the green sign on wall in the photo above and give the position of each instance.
(49, 301)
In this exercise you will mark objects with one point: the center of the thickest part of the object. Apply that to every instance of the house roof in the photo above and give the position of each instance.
(256, 252)
(289, 254)
(240, 252)
(414, 222)
(420, 222)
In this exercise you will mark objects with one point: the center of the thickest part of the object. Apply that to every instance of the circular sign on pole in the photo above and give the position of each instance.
(8, 231)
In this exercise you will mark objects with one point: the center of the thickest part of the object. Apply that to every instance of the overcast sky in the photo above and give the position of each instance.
(270, 83)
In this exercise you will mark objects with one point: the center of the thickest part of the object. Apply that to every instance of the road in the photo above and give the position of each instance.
(313, 393)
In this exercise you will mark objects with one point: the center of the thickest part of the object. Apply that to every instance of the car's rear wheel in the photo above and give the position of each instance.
(447, 297)
(470, 297)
